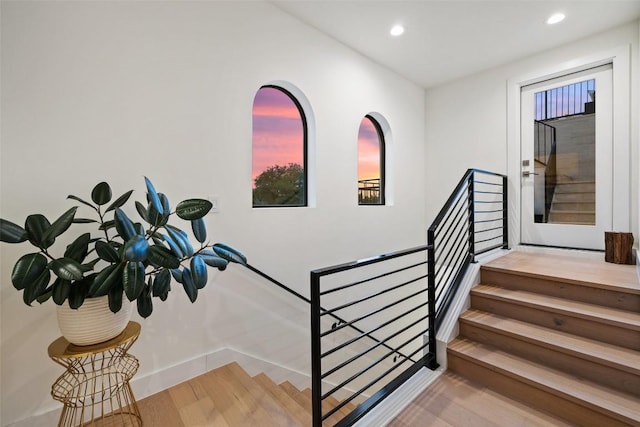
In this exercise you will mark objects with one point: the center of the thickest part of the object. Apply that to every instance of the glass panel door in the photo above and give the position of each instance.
(567, 160)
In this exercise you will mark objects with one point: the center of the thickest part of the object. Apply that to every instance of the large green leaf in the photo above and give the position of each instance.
(101, 194)
(106, 251)
(36, 226)
(142, 211)
(175, 248)
(136, 249)
(110, 277)
(181, 238)
(66, 268)
(193, 209)
(162, 285)
(213, 260)
(27, 269)
(115, 299)
(198, 272)
(78, 199)
(188, 285)
(154, 199)
(120, 201)
(79, 248)
(199, 228)
(61, 290)
(229, 253)
(144, 303)
(36, 288)
(44, 297)
(124, 225)
(11, 233)
(85, 221)
(133, 279)
(60, 225)
(162, 257)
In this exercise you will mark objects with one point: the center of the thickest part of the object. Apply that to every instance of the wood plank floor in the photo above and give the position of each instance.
(451, 401)
(574, 269)
(454, 401)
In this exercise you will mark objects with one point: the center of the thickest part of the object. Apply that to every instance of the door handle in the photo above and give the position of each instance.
(527, 173)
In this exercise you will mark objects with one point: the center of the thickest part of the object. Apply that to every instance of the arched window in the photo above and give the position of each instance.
(279, 149)
(370, 162)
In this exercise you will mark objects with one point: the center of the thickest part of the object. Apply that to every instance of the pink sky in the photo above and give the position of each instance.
(368, 151)
(277, 131)
(278, 136)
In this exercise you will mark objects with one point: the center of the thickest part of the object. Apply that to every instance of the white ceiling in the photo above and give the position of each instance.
(445, 40)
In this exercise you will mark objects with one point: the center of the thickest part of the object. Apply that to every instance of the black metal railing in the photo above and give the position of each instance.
(472, 221)
(545, 155)
(568, 100)
(398, 301)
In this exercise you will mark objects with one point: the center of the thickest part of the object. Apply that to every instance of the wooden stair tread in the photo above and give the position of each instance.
(610, 402)
(569, 269)
(620, 357)
(593, 312)
(297, 395)
(290, 405)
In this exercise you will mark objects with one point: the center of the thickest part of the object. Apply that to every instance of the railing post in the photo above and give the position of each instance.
(432, 361)
(471, 215)
(316, 362)
(505, 213)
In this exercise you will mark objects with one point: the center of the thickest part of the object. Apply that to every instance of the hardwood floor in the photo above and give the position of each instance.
(454, 401)
(218, 399)
(557, 332)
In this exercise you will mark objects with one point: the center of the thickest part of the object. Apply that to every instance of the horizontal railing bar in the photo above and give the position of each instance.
(395, 350)
(492, 211)
(354, 302)
(370, 366)
(486, 172)
(439, 267)
(357, 356)
(359, 392)
(488, 192)
(454, 210)
(367, 261)
(489, 249)
(463, 227)
(372, 313)
(444, 306)
(487, 183)
(489, 220)
(488, 240)
(462, 184)
(488, 229)
(488, 201)
(377, 328)
(452, 221)
(360, 282)
(442, 289)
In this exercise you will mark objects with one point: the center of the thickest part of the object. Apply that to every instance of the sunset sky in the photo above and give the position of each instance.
(278, 136)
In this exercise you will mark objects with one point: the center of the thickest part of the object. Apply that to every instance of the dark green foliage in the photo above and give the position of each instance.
(280, 186)
(137, 259)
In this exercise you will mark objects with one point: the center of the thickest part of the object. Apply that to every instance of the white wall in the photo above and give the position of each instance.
(115, 91)
(466, 120)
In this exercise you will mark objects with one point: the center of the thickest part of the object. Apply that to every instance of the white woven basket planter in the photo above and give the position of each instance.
(93, 322)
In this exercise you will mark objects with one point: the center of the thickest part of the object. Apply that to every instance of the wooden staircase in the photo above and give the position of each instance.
(229, 397)
(558, 333)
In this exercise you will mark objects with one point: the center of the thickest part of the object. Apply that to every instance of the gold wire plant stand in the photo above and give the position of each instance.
(95, 389)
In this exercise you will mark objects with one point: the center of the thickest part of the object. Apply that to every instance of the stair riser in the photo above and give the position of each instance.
(572, 217)
(531, 394)
(605, 297)
(574, 197)
(575, 188)
(589, 207)
(594, 370)
(614, 334)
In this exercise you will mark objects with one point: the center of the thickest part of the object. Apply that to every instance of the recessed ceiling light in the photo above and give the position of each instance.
(396, 30)
(555, 18)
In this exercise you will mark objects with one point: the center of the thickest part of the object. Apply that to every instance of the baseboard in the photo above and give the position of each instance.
(382, 414)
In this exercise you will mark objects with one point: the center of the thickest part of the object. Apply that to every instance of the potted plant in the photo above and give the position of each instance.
(121, 259)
